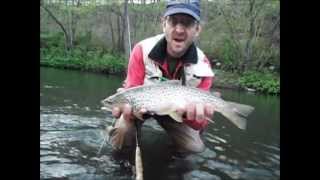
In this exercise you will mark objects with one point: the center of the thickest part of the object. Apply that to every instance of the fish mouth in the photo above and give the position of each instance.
(107, 104)
(105, 101)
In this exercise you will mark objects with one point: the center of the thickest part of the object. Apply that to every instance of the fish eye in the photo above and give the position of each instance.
(106, 101)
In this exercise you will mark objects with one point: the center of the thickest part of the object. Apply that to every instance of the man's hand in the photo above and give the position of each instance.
(126, 109)
(127, 112)
(196, 114)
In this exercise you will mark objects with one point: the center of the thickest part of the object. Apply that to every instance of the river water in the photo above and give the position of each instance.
(72, 128)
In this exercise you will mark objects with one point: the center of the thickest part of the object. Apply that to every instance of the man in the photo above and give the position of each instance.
(172, 55)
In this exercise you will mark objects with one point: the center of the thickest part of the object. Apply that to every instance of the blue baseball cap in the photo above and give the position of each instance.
(190, 7)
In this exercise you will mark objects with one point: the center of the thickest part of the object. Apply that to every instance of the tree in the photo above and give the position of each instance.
(241, 34)
(244, 20)
(125, 32)
(68, 44)
(69, 29)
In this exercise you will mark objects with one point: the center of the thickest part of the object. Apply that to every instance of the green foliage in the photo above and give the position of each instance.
(87, 59)
(262, 82)
(226, 36)
(228, 55)
(52, 39)
(234, 32)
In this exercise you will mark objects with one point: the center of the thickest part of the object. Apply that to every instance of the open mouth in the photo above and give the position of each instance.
(178, 40)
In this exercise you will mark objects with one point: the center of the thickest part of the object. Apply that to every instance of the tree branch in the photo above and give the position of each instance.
(59, 23)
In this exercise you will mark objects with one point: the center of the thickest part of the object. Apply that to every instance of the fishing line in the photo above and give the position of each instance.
(105, 137)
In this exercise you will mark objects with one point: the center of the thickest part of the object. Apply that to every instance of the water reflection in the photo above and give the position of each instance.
(72, 130)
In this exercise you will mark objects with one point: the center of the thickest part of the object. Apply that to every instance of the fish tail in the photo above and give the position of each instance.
(242, 109)
(234, 113)
(239, 121)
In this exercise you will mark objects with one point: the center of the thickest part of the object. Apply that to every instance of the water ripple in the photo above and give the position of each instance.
(69, 144)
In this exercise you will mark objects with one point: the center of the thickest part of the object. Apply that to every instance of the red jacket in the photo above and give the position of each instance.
(153, 50)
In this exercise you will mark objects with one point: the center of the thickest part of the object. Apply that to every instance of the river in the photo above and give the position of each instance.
(72, 130)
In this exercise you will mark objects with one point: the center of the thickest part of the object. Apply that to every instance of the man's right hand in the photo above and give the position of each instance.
(127, 112)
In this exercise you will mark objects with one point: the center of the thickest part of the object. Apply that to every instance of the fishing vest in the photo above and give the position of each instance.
(193, 72)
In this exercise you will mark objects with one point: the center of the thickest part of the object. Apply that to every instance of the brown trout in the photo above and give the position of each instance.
(165, 98)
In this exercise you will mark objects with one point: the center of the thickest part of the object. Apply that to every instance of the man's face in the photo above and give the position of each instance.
(180, 31)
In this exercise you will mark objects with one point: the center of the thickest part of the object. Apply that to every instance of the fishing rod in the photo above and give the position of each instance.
(138, 158)
(137, 123)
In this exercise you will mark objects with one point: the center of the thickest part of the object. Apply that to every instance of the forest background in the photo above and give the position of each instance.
(240, 37)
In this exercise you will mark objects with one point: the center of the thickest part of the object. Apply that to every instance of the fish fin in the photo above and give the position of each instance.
(242, 109)
(177, 82)
(170, 109)
(208, 119)
(234, 117)
(176, 117)
(120, 132)
(116, 134)
(139, 116)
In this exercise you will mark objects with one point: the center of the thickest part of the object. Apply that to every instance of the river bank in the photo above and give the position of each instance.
(100, 61)
(223, 79)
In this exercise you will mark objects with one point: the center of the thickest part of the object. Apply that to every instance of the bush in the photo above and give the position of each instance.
(262, 82)
(77, 58)
(228, 55)
(52, 39)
